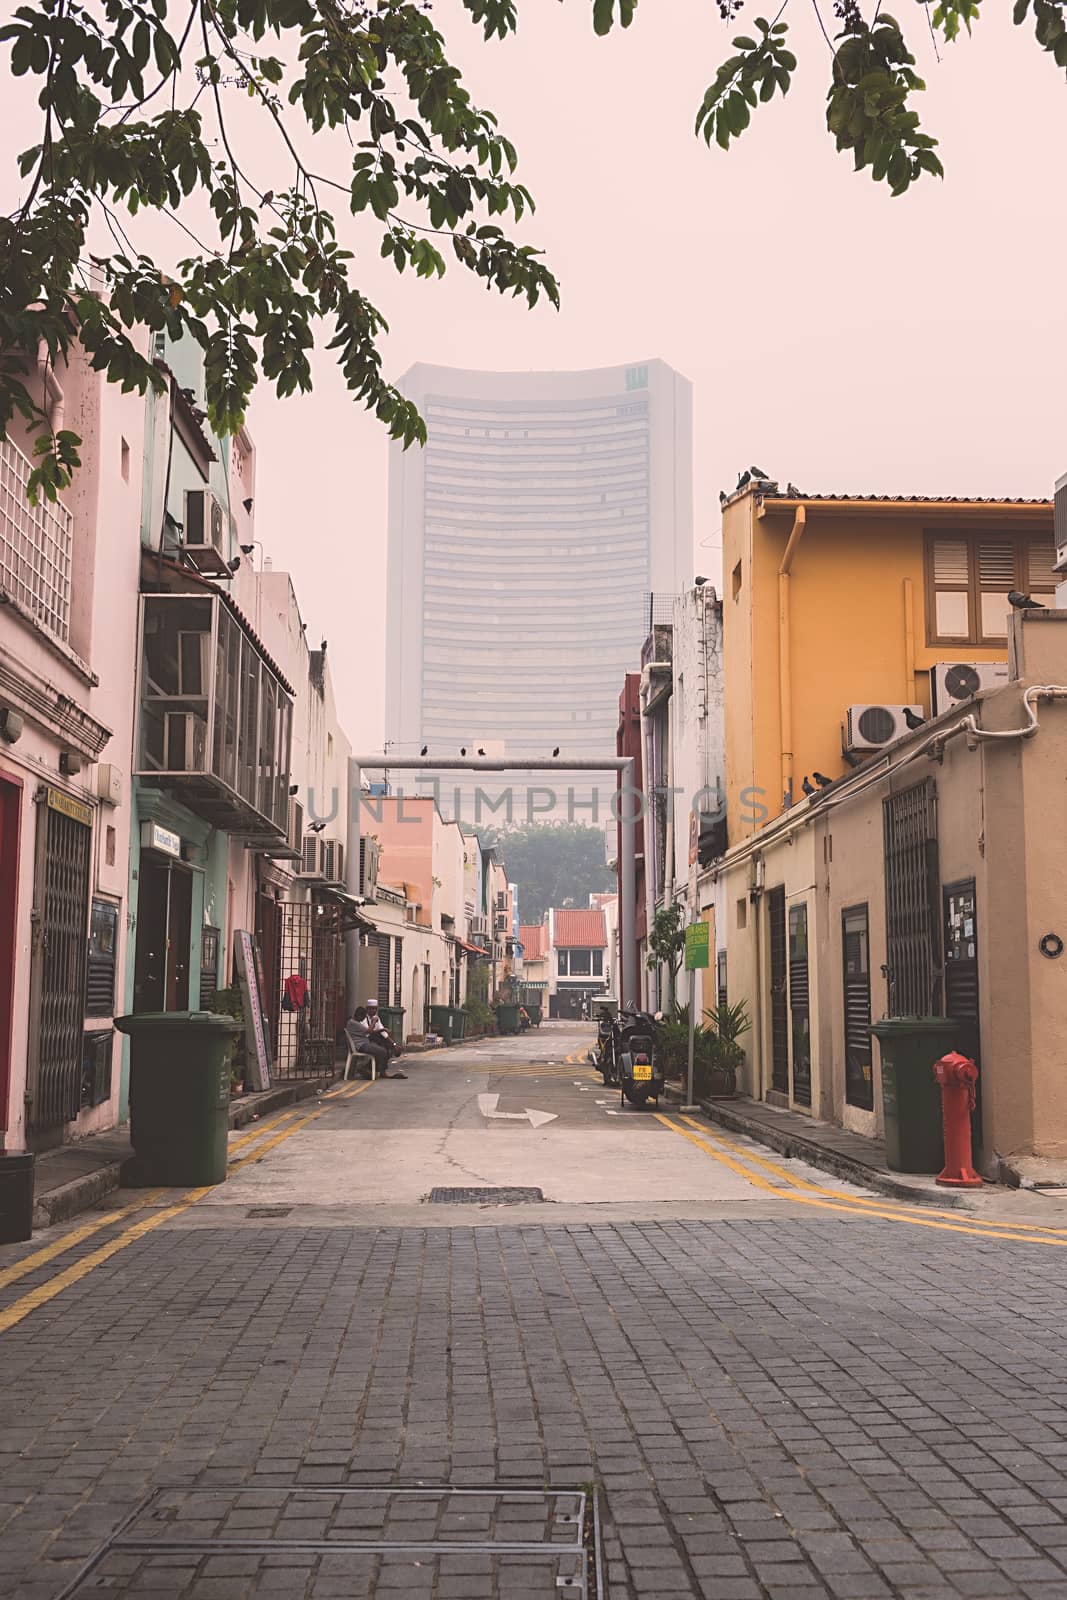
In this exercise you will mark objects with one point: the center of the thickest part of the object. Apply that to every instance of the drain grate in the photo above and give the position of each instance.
(268, 1211)
(483, 1197)
(526, 1543)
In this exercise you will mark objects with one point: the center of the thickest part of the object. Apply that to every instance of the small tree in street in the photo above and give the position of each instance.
(666, 942)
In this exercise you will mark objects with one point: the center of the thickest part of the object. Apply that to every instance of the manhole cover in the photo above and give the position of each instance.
(483, 1197)
(268, 1211)
(530, 1544)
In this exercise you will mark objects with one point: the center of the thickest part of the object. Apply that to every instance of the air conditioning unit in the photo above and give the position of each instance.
(194, 664)
(1060, 524)
(295, 831)
(333, 861)
(204, 527)
(955, 681)
(369, 855)
(502, 922)
(479, 927)
(312, 861)
(873, 727)
(185, 742)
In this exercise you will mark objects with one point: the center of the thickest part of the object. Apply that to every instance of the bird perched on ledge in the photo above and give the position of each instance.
(822, 780)
(1023, 602)
(808, 787)
(912, 720)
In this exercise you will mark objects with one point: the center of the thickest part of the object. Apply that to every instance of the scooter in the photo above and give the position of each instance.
(602, 1054)
(639, 1073)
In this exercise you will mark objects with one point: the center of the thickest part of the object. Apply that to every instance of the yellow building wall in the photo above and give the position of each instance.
(857, 615)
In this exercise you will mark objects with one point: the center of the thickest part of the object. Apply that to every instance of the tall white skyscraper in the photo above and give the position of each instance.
(524, 541)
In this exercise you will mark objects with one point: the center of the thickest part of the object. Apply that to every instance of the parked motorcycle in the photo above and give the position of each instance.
(602, 1054)
(635, 1042)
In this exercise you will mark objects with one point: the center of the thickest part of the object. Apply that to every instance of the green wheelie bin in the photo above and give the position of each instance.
(911, 1099)
(507, 1016)
(459, 1024)
(179, 1094)
(441, 1022)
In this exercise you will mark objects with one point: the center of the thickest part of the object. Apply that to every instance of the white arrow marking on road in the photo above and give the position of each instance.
(487, 1105)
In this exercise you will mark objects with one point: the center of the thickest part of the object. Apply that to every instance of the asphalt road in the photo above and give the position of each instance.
(768, 1385)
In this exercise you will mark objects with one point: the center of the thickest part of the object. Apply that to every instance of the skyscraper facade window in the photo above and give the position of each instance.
(524, 542)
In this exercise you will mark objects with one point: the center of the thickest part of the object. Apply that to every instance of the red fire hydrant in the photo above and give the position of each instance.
(957, 1077)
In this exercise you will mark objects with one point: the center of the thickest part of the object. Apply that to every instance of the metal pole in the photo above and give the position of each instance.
(689, 1106)
(628, 819)
(352, 882)
(628, 887)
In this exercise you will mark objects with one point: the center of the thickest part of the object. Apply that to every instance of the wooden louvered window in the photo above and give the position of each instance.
(969, 576)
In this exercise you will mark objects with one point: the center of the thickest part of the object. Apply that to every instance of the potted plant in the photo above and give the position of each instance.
(724, 1054)
(228, 1004)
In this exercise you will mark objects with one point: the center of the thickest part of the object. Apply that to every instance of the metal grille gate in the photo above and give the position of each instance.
(312, 948)
(60, 942)
(779, 998)
(912, 901)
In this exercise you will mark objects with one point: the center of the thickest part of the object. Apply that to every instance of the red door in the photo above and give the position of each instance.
(10, 818)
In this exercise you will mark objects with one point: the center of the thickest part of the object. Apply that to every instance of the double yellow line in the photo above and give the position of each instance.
(799, 1191)
(272, 1134)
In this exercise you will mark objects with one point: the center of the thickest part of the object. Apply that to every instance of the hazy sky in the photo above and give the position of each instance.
(833, 335)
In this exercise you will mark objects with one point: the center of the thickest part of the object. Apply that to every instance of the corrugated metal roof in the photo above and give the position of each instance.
(909, 499)
(579, 930)
(533, 936)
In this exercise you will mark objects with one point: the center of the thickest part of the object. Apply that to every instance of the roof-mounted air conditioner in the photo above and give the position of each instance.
(873, 727)
(955, 681)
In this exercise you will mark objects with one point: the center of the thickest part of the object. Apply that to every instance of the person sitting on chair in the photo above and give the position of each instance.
(375, 1039)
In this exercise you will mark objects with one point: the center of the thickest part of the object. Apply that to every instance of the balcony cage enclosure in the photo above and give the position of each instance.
(36, 546)
(216, 719)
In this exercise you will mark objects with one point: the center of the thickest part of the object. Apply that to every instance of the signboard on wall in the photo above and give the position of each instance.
(257, 1041)
(696, 945)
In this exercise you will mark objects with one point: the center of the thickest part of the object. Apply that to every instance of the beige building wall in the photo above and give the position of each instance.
(1000, 804)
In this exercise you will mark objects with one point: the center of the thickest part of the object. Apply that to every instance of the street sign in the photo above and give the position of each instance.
(696, 945)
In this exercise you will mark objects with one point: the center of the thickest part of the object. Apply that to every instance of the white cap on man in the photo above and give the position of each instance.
(372, 1005)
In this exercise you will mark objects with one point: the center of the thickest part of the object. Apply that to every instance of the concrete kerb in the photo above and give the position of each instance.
(920, 1190)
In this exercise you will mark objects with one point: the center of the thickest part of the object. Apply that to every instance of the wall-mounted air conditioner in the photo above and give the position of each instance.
(1060, 524)
(295, 831)
(333, 861)
(312, 861)
(186, 742)
(952, 682)
(204, 527)
(194, 664)
(369, 853)
(502, 923)
(872, 727)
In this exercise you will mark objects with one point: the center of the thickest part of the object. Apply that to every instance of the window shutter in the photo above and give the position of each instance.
(951, 563)
(996, 565)
(1039, 566)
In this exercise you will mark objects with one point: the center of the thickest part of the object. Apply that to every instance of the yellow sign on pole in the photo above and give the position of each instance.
(696, 946)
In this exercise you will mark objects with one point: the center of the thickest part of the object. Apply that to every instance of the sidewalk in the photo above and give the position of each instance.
(824, 1145)
(74, 1177)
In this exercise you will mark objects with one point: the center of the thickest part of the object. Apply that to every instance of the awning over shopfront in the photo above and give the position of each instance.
(475, 950)
(352, 913)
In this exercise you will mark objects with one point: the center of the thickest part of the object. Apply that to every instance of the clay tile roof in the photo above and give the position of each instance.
(533, 936)
(580, 929)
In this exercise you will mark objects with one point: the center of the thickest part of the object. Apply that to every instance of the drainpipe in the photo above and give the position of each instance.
(909, 645)
(785, 687)
(56, 402)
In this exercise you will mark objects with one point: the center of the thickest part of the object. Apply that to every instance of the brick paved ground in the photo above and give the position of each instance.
(779, 1409)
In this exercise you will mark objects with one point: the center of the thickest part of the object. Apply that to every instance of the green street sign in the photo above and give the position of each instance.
(696, 945)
